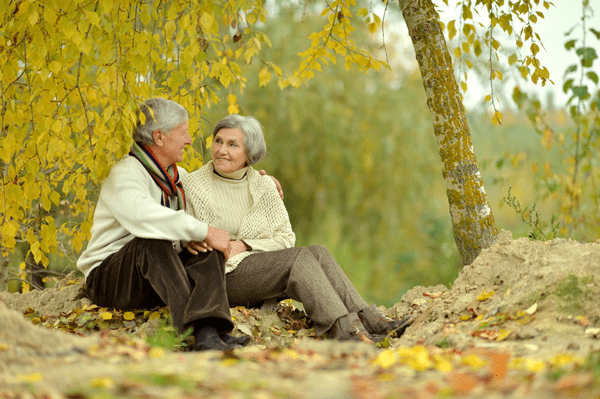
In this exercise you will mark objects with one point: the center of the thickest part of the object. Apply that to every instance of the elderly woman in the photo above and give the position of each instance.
(264, 265)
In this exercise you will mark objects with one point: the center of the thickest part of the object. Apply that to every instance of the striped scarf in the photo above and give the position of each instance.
(167, 179)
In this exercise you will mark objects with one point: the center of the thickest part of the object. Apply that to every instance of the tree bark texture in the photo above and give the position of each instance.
(472, 219)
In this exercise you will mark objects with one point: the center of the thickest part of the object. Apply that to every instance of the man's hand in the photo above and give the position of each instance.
(194, 247)
(262, 172)
(218, 239)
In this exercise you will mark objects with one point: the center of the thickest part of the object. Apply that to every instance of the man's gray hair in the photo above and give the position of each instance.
(254, 139)
(161, 114)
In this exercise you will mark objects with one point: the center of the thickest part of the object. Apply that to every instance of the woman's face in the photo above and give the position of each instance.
(229, 153)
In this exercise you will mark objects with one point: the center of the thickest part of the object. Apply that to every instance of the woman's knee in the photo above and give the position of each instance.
(319, 251)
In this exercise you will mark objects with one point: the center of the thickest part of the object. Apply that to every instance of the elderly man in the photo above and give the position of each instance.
(134, 258)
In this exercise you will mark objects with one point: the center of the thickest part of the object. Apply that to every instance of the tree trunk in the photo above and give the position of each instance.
(3, 273)
(472, 220)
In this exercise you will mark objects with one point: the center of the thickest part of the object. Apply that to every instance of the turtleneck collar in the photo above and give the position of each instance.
(237, 175)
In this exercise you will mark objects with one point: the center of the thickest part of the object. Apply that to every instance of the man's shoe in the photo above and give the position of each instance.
(229, 339)
(207, 338)
(377, 323)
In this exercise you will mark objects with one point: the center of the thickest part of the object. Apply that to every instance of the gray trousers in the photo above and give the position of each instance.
(306, 274)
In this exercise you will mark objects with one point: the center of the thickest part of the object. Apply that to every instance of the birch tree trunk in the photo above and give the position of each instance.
(472, 219)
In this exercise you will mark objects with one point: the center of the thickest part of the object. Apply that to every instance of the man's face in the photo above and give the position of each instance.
(173, 145)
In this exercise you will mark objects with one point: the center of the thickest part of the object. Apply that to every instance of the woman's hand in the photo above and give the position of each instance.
(237, 247)
(277, 184)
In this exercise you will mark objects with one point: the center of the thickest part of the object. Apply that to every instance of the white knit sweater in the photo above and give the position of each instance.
(265, 226)
(128, 207)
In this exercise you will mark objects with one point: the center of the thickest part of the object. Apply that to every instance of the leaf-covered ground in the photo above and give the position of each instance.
(522, 321)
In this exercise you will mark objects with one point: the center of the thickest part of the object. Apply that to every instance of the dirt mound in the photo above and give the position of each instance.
(531, 297)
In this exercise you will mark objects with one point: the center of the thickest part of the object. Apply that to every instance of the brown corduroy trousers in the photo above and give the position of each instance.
(309, 275)
(146, 273)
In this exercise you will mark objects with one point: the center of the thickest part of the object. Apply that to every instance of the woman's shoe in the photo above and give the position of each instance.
(377, 323)
(350, 327)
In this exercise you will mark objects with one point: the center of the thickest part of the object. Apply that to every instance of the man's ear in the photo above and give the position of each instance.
(158, 137)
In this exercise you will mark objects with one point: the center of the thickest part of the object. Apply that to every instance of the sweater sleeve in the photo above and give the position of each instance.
(127, 196)
(273, 210)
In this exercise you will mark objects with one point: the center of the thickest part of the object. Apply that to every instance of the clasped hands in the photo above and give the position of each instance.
(217, 239)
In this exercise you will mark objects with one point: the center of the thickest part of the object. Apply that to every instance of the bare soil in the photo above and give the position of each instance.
(522, 321)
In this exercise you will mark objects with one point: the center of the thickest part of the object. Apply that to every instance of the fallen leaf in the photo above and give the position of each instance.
(462, 383)
(156, 352)
(490, 335)
(154, 315)
(503, 335)
(433, 294)
(106, 315)
(583, 320)
(499, 365)
(474, 361)
(244, 328)
(33, 377)
(128, 315)
(385, 359)
(532, 309)
(485, 296)
(101, 382)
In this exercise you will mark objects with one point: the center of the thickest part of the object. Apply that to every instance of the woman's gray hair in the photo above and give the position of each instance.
(254, 139)
(161, 114)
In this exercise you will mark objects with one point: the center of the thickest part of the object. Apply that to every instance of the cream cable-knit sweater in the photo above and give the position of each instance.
(264, 224)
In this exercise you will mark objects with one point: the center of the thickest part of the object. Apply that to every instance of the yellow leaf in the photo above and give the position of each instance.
(442, 364)
(532, 309)
(503, 335)
(33, 377)
(101, 382)
(106, 315)
(485, 296)
(129, 316)
(154, 316)
(33, 18)
(465, 317)
(535, 49)
(474, 361)
(372, 27)
(385, 359)
(497, 119)
(169, 28)
(264, 77)
(420, 359)
(156, 352)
